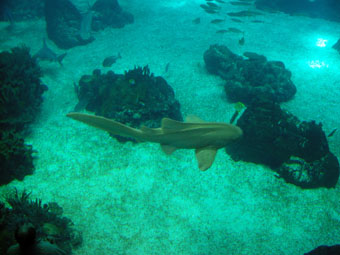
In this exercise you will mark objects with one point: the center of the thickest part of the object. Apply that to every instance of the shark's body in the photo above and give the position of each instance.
(45, 53)
(205, 137)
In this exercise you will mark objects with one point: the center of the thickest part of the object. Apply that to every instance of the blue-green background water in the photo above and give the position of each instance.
(134, 199)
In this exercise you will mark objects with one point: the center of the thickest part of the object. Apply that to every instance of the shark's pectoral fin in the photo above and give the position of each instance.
(168, 149)
(205, 157)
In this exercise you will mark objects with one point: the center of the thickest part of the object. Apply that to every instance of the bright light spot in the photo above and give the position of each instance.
(321, 42)
(317, 64)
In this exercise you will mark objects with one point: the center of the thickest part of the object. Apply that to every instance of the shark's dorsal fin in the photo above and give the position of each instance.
(193, 119)
(171, 124)
(205, 157)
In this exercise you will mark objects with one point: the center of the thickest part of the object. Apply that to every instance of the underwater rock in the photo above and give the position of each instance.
(274, 137)
(16, 160)
(325, 9)
(108, 13)
(318, 173)
(20, 10)
(20, 88)
(49, 226)
(135, 98)
(251, 78)
(325, 250)
(63, 24)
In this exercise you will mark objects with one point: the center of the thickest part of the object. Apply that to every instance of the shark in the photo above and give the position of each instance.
(45, 53)
(206, 138)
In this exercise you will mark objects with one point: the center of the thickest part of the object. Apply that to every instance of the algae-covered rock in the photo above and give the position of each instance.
(20, 88)
(135, 98)
(297, 150)
(250, 78)
(49, 226)
(16, 160)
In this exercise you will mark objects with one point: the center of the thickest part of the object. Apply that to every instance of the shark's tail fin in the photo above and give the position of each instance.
(111, 126)
(61, 57)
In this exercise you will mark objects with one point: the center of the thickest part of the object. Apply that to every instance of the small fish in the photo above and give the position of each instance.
(235, 30)
(167, 67)
(204, 6)
(210, 11)
(257, 21)
(236, 20)
(213, 5)
(109, 61)
(222, 31)
(332, 133)
(220, 1)
(196, 21)
(216, 21)
(240, 3)
(241, 41)
(244, 14)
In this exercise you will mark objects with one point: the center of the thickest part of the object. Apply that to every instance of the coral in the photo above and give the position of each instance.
(50, 225)
(135, 98)
(20, 87)
(16, 160)
(6, 237)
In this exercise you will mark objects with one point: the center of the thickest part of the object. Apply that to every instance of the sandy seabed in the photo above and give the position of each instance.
(133, 199)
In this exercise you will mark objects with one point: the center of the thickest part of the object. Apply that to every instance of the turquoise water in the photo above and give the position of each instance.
(132, 198)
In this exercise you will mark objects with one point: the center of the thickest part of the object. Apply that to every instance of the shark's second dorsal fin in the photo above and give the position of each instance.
(150, 131)
(193, 119)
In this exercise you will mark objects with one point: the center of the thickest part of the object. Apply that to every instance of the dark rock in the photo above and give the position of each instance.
(252, 78)
(16, 160)
(325, 250)
(20, 10)
(318, 173)
(135, 98)
(325, 9)
(20, 88)
(48, 225)
(297, 150)
(109, 13)
(63, 22)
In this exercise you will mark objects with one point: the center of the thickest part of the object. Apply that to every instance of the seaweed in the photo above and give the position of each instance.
(16, 157)
(46, 218)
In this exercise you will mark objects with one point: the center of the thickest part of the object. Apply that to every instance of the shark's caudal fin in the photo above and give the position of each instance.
(61, 57)
(111, 126)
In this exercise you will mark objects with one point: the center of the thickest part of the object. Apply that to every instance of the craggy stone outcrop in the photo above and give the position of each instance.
(108, 13)
(251, 78)
(63, 23)
(297, 150)
(135, 98)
